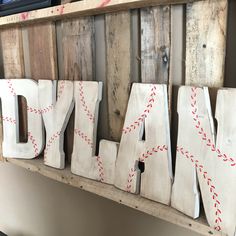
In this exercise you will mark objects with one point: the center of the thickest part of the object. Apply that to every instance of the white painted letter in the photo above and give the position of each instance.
(84, 162)
(12, 148)
(55, 116)
(200, 158)
(146, 138)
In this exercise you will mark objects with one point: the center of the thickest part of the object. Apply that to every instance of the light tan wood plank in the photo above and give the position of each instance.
(42, 51)
(78, 60)
(118, 65)
(13, 64)
(78, 48)
(81, 8)
(110, 192)
(155, 44)
(206, 43)
(12, 51)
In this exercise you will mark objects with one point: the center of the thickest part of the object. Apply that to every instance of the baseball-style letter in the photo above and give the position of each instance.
(12, 148)
(87, 97)
(202, 159)
(146, 141)
(56, 111)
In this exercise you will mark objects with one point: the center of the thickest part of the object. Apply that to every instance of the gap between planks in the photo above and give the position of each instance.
(110, 192)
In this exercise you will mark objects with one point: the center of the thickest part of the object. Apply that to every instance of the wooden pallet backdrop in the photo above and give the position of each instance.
(174, 45)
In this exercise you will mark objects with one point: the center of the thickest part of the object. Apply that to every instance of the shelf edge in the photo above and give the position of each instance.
(110, 192)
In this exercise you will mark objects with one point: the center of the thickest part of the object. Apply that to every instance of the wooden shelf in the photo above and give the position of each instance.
(110, 192)
(81, 8)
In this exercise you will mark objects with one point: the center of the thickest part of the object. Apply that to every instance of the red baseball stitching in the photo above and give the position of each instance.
(31, 137)
(8, 119)
(209, 182)
(33, 110)
(203, 133)
(144, 114)
(82, 100)
(104, 3)
(84, 137)
(143, 157)
(10, 86)
(100, 168)
(50, 142)
(35, 145)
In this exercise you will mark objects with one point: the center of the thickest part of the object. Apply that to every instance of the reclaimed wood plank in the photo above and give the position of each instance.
(118, 69)
(82, 8)
(12, 51)
(78, 60)
(42, 51)
(206, 43)
(13, 65)
(155, 44)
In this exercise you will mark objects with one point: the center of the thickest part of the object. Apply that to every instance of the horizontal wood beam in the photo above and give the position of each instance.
(110, 192)
(82, 8)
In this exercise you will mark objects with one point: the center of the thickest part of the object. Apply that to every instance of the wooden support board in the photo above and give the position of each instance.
(42, 51)
(155, 44)
(206, 43)
(110, 192)
(86, 7)
(78, 60)
(118, 66)
(13, 62)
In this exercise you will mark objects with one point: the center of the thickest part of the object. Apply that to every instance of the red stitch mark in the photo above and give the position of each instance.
(84, 137)
(10, 86)
(143, 157)
(8, 119)
(35, 146)
(34, 110)
(104, 3)
(203, 133)
(144, 114)
(24, 15)
(130, 179)
(100, 168)
(50, 142)
(82, 100)
(209, 182)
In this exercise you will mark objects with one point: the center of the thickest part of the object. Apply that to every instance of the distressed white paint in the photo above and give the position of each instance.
(198, 158)
(84, 162)
(12, 148)
(56, 114)
(147, 109)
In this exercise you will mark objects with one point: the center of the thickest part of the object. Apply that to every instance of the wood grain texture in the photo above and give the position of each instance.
(155, 44)
(78, 48)
(118, 65)
(12, 52)
(78, 60)
(110, 192)
(82, 8)
(206, 43)
(42, 51)
(13, 65)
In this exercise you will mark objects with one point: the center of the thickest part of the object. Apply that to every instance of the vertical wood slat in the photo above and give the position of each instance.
(155, 44)
(78, 60)
(13, 61)
(206, 43)
(42, 51)
(118, 69)
(12, 51)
